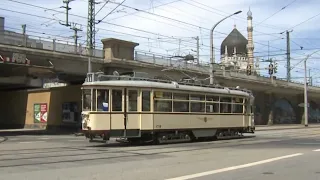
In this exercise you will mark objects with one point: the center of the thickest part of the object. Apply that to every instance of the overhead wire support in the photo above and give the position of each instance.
(67, 12)
(91, 31)
(75, 36)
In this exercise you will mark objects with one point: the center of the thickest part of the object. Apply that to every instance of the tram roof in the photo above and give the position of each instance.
(127, 81)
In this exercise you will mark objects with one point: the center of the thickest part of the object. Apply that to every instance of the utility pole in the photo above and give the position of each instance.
(24, 41)
(198, 49)
(310, 78)
(306, 114)
(67, 11)
(75, 36)
(288, 57)
(91, 31)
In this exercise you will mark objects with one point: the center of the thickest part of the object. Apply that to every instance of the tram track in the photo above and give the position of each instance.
(113, 154)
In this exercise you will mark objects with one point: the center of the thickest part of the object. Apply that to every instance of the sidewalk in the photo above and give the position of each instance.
(17, 132)
(284, 127)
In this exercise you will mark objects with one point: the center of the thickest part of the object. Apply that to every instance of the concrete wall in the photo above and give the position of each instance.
(17, 107)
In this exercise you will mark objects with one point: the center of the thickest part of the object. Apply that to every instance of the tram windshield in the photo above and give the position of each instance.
(86, 99)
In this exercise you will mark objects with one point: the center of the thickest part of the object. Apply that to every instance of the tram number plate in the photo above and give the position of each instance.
(158, 126)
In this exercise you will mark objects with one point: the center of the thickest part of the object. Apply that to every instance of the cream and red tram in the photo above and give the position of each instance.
(140, 109)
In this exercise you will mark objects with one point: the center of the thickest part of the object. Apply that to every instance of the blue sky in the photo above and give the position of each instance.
(202, 14)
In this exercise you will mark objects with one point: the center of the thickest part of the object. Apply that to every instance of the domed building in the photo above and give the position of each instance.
(237, 52)
(234, 50)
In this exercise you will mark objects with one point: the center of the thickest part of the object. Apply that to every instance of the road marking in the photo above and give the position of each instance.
(317, 143)
(233, 167)
(26, 142)
(317, 150)
(44, 138)
(76, 140)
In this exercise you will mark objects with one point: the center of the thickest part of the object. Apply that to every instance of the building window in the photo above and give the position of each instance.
(102, 100)
(145, 100)
(133, 100)
(116, 100)
(86, 100)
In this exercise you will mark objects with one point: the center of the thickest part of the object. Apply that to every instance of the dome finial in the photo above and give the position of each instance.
(249, 12)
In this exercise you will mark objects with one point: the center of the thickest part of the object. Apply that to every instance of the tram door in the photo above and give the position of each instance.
(119, 112)
(125, 115)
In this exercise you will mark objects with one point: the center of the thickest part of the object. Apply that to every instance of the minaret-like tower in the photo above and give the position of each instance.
(250, 46)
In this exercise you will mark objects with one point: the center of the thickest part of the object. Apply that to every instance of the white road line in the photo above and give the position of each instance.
(317, 150)
(44, 138)
(78, 140)
(233, 167)
(26, 142)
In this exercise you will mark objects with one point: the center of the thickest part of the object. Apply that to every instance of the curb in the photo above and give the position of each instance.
(284, 128)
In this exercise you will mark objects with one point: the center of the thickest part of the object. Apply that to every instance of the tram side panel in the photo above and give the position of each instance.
(189, 121)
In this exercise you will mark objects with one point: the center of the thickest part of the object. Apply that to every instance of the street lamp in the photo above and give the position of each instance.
(305, 89)
(212, 55)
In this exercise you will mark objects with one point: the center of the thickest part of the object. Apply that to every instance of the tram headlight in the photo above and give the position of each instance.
(85, 119)
(252, 120)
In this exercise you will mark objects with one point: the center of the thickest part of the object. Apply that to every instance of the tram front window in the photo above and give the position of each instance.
(86, 96)
(103, 100)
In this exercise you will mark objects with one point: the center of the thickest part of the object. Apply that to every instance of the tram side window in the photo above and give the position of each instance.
(86, 96)
(238, 108)
(162, 106)
(145, 100)
(133, 100)
(162, 101)
(212, 107)
(225, 108)
(197, 107)
(103, 100)
(94, 100)
(180, 102)
(116, 100)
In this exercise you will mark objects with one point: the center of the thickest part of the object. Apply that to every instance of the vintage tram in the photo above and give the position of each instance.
(137, 109)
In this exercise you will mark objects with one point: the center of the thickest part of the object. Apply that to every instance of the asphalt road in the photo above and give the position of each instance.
(277, 154)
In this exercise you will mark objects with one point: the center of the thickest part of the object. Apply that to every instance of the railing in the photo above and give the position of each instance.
(17, 39)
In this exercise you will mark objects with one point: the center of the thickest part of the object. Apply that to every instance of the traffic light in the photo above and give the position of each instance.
(270, 69)
(249, 70)
(275, 69)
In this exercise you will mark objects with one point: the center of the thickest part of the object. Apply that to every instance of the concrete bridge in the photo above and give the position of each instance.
(276, 100)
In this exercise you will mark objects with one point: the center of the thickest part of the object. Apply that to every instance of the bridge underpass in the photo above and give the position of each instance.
(72, 68)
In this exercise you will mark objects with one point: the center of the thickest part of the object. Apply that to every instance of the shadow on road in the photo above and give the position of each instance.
(116, 145)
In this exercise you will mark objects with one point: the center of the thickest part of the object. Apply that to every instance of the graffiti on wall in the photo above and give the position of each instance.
(283, 112)
(314, 112)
